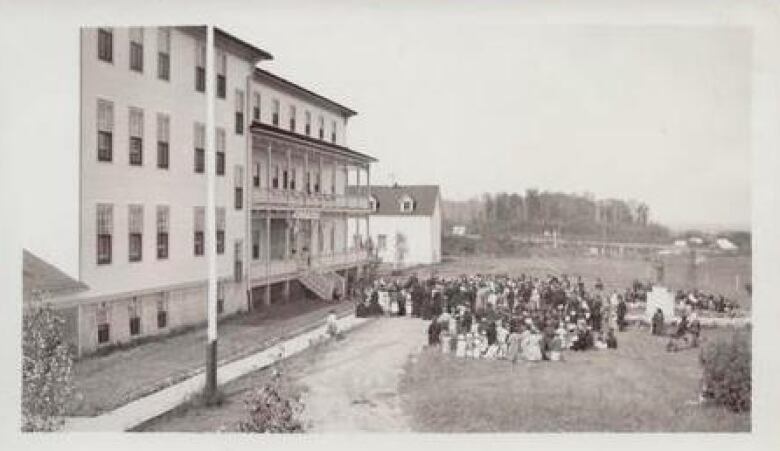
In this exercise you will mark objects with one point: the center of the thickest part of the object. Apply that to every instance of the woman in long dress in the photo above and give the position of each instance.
(533, 350)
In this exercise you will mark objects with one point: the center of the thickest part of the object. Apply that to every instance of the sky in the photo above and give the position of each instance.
(476, 97)
(480, 101)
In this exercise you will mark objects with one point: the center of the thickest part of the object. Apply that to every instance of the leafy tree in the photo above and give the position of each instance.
(46, 369)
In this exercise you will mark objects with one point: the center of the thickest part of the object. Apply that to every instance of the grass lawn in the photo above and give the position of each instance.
(637, 388)
(107, 382)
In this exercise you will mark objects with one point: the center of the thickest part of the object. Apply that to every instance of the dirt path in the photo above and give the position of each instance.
(354, 385)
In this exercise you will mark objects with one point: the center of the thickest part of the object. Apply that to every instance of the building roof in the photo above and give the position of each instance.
(389, 199)
(41, 276)
(346, 151)
(264, 75)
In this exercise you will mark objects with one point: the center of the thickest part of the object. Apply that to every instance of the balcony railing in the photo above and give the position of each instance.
(261, 268)
(294, 198)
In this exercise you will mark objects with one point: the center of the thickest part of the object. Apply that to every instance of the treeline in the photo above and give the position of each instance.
(571, 216)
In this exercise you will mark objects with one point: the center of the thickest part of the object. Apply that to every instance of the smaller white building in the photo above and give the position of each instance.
(405, 224)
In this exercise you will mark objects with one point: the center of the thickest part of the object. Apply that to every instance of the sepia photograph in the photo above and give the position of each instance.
(433, 217)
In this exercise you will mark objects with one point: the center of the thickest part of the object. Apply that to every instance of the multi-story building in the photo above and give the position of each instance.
(284, 220)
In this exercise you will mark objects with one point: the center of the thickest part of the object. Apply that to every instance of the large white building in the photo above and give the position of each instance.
(405, 224)
(283, 212)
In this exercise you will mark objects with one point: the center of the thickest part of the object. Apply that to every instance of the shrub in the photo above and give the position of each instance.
(273, 407)
(46, 370)
(727, 371)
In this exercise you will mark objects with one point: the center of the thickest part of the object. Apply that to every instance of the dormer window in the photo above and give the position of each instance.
(407, 204)
(373, 203)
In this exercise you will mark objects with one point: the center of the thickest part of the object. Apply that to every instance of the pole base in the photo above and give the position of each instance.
(210, 396)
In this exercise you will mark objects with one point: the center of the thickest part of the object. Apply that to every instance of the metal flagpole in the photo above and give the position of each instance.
(211, 245)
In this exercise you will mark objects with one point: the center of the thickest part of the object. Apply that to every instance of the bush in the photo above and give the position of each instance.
(727, 371)
(46, 370)
(273, 408)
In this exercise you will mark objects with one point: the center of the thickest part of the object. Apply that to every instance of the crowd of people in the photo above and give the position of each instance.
(502, 317)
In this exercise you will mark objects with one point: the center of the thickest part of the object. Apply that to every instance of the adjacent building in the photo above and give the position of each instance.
(405, 224)
(285, 221)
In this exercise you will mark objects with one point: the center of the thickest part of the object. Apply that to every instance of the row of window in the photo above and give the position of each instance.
(105, 138)
(106, 53)
(135, 227)
(103, 315)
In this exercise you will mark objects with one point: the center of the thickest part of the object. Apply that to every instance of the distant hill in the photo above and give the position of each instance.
(569, 215)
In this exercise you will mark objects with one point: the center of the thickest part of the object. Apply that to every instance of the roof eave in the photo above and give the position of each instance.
(262, 73)
(346, 151)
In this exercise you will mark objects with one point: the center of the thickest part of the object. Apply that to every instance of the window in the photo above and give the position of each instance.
(103, 327)
(256, 175)
(134, 314)
(106, 45)
(275, 180)
(136, 136)
(198, 226)
(322, 127)
(256, 107)
(332, 238)
(221, 63)
(200, 67)
(162, 311)
(381, 242)
(307, 126)
(239, 112)
(163, 227)
(105, 228)
(317, 177)
(105, 125)
(220, 151)
(164, 53)
(239, 193)
(333, 180)
(137, 49)
(373, 203)
(407, 204)
(285, 179)
(292, 118)
(220, 230)
(275, 116)
(238, 266)
(308, 182)
(292, 179)
(135, 229)
(200, 144)
(333, 132)
(163, 137)
(220, 297)
(255, 244)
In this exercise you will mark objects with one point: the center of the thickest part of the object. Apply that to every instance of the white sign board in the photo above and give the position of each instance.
(662, 298)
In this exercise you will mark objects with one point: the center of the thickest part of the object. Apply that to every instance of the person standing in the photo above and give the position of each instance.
(622, 308)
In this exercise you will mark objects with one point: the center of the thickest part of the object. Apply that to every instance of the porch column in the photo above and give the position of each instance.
(287, 230)
(268, 169)
(287, 291)
(289, 169)
(306, 176)
(267, 299)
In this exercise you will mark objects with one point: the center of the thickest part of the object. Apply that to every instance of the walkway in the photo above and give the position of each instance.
(143, 409)
(353, 387)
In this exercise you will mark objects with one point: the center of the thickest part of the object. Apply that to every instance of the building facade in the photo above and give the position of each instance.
(405, 224)
(282, 170)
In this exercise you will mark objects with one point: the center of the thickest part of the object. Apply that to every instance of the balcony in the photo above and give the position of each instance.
(299, 199)
(293, 267)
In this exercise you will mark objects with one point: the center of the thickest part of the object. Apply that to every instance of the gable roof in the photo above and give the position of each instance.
(40, 276)
(389, 199)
